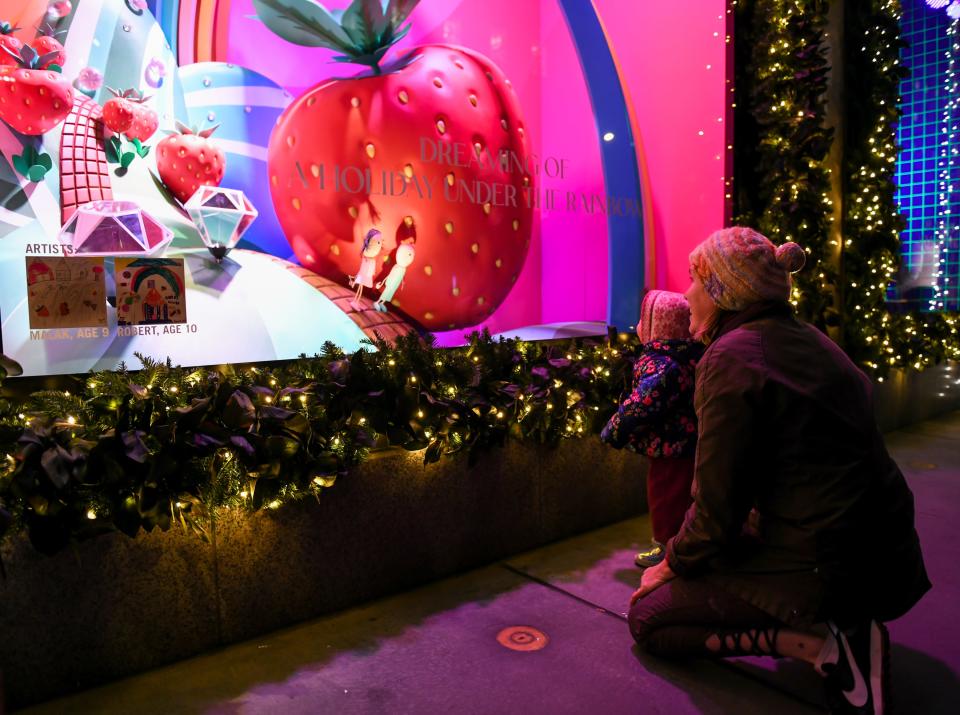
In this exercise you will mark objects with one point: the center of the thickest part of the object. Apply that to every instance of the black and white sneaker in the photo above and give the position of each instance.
(858, 681)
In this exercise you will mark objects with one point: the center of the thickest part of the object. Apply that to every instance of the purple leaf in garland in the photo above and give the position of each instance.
(275, 413)
(57, 463)
(541, 372)
(340, 371)
(205, 440)
(239, 412)
(134, 447)
(242, 444)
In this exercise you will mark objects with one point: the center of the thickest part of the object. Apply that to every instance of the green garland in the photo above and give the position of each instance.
(872, 223)
(168, 445)
(782, 183)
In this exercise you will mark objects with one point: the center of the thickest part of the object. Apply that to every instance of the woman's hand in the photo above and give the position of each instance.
(652, 578)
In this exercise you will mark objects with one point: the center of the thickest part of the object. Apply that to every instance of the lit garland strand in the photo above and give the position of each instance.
(190, 441)
(873, 336)
(781, 178)
(946, 223)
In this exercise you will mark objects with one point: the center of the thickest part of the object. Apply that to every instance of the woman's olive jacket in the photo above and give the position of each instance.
(786, 426)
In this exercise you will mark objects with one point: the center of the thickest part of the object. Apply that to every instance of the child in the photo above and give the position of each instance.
(657, 419)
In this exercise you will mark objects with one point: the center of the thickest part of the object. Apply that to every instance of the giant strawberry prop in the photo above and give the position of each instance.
(401, 125)
(188, 160)
(33, 101)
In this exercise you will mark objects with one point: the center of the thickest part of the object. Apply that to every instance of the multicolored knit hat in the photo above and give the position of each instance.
(739, 266)
(664, 315)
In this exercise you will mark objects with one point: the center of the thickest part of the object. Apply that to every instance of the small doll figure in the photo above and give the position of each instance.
(394, 280)
(372, 243)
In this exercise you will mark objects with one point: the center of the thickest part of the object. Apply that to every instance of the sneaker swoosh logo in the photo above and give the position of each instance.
(859, 695)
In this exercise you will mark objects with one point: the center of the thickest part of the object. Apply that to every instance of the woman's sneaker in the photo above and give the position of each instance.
(651, 557)
(858, 680)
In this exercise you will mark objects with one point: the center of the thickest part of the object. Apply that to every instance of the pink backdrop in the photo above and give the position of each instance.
(672, 58)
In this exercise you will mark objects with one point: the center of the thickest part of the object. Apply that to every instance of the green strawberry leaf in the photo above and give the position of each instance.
(303, 22)
(399, 10)
(44, 160)
(55, 68)
(143, 151)
(21, 164)
(127, 158)
(112, 152)
(365, 22)
(36, 173)
(137, 144)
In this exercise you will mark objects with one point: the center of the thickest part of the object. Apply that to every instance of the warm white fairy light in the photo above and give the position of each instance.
(946, 223)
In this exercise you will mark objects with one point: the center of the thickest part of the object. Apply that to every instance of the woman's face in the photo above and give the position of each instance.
(702, 307)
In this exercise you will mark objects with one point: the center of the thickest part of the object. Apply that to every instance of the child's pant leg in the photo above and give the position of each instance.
(668, 494)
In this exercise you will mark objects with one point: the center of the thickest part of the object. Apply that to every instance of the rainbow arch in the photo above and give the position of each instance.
(196, 29)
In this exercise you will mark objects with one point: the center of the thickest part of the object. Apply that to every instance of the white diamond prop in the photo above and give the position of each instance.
(114, 228)
(221, 216)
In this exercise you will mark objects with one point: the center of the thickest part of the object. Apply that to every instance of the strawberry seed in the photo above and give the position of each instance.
(371, 150)
(403, 96)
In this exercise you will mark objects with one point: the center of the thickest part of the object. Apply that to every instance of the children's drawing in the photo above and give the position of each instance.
(66, 293)
(150, 291)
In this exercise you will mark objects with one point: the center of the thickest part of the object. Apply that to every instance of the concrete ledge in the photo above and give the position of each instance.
(114, 606)
(906, 397)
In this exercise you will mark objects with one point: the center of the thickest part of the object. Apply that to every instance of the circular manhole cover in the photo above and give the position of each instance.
(522, 638)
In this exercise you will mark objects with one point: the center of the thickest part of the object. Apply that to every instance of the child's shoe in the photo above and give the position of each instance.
(652, 556)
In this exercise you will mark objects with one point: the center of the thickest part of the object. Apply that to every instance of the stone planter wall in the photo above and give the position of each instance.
(114, 606)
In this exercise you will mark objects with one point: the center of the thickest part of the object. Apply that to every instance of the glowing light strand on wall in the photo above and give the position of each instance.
(947, 170)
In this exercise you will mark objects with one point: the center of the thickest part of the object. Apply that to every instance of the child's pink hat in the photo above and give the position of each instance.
(664, 315)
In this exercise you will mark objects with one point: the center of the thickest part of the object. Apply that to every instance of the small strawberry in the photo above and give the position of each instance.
(60, 9)
(9, 45)
(47, 43)
(188, 160)
(145, 122)
(33, 101)
(118, 112)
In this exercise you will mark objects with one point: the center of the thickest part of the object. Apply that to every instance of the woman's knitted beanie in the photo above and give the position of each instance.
(739, 266)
